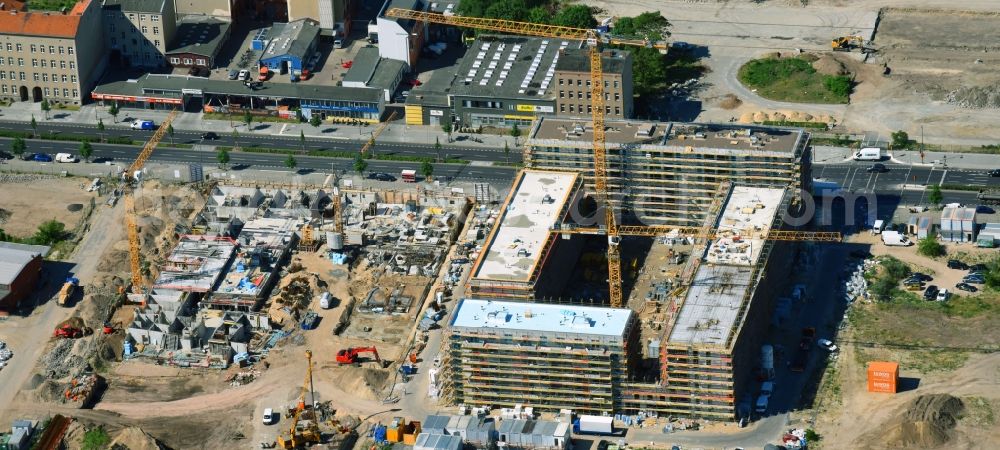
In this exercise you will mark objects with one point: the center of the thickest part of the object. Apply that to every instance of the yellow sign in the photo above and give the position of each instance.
(511, 116)
(526, 108)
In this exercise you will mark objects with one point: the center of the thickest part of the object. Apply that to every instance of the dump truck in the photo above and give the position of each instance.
(68, 288)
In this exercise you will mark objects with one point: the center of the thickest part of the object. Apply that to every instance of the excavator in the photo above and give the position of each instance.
(848, 43)
(350, 355)
(304, 430)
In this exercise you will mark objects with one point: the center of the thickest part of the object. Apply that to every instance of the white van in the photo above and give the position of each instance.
(325, 301)
(268, 416)
(66, 158)
(761, 406)
(878, 227)
(870, 154)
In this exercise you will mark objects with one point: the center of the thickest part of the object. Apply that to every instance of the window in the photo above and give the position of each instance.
(2, 61)
(114, 42)
(72, 78)
(64, 78)
(144, 29)
(142, 17)
(562, 94)
(175, 60)
(156, 43)
(44, 63)
(571, 108)
(618, 96)
(20, 48)
(76, 93)
(60, 49)
(605, 84)
(560, 81)
(72, 64)
(4, 87)
(580, 82)
(9, 47)
(65, 92)
(20, 62)
(579, 94)
(131, 16)
(46, 76)
(156, 30)
(588, 95)
(570, 94)
(3, 76)
(32, 48)
(52, 49)
(34, 62)
(46, 92)
(607, 110)
(616, 84)
(588, 83)
(113, 28)
(68, 50)
(201, 62)
(618, 111)
(187, 61)
(12, 77)
(590, 109)
(562, 108)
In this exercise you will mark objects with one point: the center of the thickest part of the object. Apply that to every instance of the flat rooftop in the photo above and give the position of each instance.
(522, 231)
(541, 317)
(718, 137)
(271, 232)
(506, 67)
(199, 35)
(747, 216)
(712, 306)
(196, 263)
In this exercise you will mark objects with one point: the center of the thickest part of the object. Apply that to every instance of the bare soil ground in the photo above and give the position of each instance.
(26, 205)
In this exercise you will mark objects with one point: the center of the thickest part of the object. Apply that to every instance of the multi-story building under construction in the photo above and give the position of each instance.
(668, 173)
(547, 356)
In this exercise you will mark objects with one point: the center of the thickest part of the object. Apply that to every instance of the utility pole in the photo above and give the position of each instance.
(921, 144)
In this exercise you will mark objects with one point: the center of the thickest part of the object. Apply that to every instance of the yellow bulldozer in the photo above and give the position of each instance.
(848, 43)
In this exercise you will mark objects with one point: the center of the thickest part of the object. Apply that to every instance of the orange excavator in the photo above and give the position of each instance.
(350, 355)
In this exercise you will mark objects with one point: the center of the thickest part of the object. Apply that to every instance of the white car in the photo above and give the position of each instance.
(268, 416)
(943, 295)
(243, 75)
(66, 158)
(827, 345)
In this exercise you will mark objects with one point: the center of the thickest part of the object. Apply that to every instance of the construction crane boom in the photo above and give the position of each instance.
(378, 130)
(129, 177)
(698, 233)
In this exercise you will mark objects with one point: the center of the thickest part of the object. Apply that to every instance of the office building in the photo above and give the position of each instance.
(573, 82)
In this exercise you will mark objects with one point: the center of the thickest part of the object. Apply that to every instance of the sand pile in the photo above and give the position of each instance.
(828, 65)
(927, 421)
(730, 101)
(133, 438)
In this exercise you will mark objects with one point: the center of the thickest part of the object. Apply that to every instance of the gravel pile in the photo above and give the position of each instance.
(976, 97)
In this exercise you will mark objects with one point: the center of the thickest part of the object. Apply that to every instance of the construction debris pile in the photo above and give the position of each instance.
(856, 286)
(378, 302)
(60, 362)
(975, 97)
(5, 354)
(240, 378)
(82, 389)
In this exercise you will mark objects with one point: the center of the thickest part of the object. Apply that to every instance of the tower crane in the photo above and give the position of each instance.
(131, 180)
(593, 38)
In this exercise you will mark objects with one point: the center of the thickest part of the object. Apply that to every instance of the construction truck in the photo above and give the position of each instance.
(848, 43)
(71, 328)
(350, 355)
(304, 429)
(68, 288)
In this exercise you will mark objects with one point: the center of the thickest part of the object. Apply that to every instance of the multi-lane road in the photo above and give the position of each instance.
(905, 180)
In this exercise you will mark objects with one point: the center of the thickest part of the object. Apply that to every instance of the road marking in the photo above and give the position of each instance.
(943, 174)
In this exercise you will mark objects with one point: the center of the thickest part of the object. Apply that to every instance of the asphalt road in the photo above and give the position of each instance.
(854, 177)
(239, 160)
(266, 140)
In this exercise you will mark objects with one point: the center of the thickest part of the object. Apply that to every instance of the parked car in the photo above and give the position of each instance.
(66, 158)
(827, 345)
(233, 74)
(956, 264)
(243, 75)
(921, 276)
(209, 136)
(912, 282)
(978, 268)
(974, 280)
(931, 292)
(381, 176)
(943, 295)
(966, 287)
(877, 168)
(40, 157)
(143, 125)
(995, 173)
(268, 416)
(5, 155)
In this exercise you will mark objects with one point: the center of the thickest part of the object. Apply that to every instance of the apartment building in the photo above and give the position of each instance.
(137, 32)
(51, 55)
(333, 16)
(573, 79)
(545, 356)
(669, 173)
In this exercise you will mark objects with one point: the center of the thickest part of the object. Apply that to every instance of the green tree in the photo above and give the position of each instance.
(360, 164)
(648, 25)
(935, 196)
(290, 162)
(302, 139)
(113, 110)
(95, 439)
(49, 233)
(437, 148)
(86, 151)
(839, 85)
(992, 277)
(170, 131)
(515, 132)
(34, 126)
(930, 247)
(577, 16)
(446, 127)
(18, 146)
(427, 169)
(46, 108)
(508, 9)
(247, 119)
(506, 152)
(539, 14)
(315, 121)
(298, 115)
(900, 139)
(100, 128)
(649, 70)
(223, 157)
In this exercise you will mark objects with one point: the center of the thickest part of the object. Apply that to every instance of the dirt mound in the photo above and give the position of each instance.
(976, 97)
(927, 421)
(828, 65)
(730, 101)
(133, 438)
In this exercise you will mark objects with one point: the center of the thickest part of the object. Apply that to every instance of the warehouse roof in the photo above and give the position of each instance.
(14, 257)
(159, 85)
(292, 38)
(536, 202)
(374, 71)
(506, 67)
(147, 6)
(541, 317)
(199, 35)
(578, 60)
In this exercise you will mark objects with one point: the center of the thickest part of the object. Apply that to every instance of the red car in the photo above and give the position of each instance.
(347, 64)
(414, 82)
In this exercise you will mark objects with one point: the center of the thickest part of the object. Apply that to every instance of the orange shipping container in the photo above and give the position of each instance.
(409, 439)
(393, 435)
(885, 386)
(883, 376)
